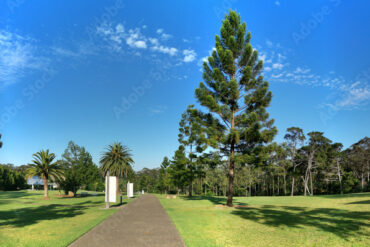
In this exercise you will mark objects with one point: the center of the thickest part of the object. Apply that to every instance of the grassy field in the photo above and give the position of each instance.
(273, 221)
(28, 220)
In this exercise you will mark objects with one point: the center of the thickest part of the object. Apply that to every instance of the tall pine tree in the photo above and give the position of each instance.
(235, 92)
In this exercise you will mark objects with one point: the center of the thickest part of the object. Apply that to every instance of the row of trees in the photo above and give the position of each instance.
(75, 170)
(299, 166)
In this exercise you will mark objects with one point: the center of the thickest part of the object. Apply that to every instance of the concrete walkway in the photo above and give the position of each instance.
(142, 222)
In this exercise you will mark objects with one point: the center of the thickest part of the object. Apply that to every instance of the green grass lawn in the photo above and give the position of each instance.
(28, 220)
(273, 221)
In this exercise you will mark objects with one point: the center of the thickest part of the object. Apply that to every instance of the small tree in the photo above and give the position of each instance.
(44, 167)
(164, 176)
(178, 169)
(236, 93)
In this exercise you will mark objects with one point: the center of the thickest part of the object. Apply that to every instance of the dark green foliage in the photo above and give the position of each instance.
(11, 179)
(164, 182)
(178, 169)
(235, 92)
(117, 159)
(80, 171)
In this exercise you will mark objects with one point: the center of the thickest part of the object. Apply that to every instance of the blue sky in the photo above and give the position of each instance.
(125, 70)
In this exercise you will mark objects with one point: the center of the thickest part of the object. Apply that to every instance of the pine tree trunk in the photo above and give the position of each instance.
(46, 192)
(231, 178)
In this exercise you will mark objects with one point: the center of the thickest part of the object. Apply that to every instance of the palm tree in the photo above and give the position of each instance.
(44, 167)
(117, 160)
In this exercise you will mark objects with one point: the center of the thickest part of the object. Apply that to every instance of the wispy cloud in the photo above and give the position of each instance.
(155, 110)
(117, 36)
(349, 94)
(163, 35)
(18, 57)
(189, 55)
(172, 51)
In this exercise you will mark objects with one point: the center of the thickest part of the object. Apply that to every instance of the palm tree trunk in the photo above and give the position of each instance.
(46, 192)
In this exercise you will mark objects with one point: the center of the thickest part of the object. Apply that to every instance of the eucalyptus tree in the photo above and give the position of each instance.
(337, 157)
(314, 150)
(295, 138)
(359, 156)
(117, 160)
(235, 92)
(44, 166)
(281, 163)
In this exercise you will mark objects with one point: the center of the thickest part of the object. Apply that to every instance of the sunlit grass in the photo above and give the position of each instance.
(28, 220)
(273, 221)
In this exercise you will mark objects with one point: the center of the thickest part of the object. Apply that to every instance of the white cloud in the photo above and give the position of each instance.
(164, 49)
(277, 66)
(267, 68)
(353, 96)
(154, 41)
(189, 55)
(136, 40)
(163, 35)
(166, 36)
(18, 56)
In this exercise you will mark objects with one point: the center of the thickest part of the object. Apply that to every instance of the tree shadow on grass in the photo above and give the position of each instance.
(360, 202)
(342, 223)
(214, 199)
(4, 195)
(31, 215)
(351, 195)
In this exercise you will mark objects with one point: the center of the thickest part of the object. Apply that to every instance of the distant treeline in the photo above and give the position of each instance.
(317, 166)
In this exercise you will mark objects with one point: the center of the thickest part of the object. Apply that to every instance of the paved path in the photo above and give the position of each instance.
(142, 222)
